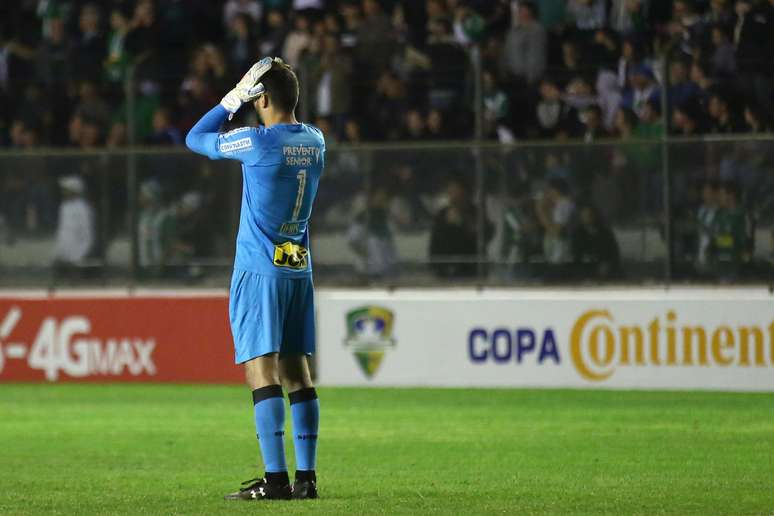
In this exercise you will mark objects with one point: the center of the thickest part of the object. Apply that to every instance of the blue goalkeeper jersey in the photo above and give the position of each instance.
(281, 168)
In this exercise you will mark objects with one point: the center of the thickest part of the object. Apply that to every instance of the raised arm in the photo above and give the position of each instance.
(203, 136)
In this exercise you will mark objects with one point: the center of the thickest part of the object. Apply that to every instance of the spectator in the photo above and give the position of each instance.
(651, 125)
(685, 25)
(155, 229)
(75, 234)
(603, 49)
(629, 16)
(241, 42)
(521, 239)
(756, 119)
(751, 33)
(91, 106)
(688, 119)
(117, 59)
(350, 12)
(579, 94)
(332, 77)
(642, 89)
(253, 9)
(593, 127)
(609, 97)
(729, 230)
(631, 58)
(53, 57)
(723, 55)
(720, 14)
(89, 48)
(297, 41)
(594, 247)
(352, 132)
(587, 15)
(387, 106)
(525, 51)
(573, 63)
(555, 117)
(555, 210)
(705, 223)
(455, 234)
(495, 105)
(33, 109)
(414, 126)
(681, 88)
(142, 38)
(164, 132)
(90, 134)
(752, 37)
(194, 232)
(408, 209)
(724, 118)
(375, 45)
(371, 238)
(446, 66)
(625, 122)
(437, 129)
(23, 135)
(273, 39)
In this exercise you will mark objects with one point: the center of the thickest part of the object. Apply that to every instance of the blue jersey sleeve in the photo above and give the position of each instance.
(240, 144)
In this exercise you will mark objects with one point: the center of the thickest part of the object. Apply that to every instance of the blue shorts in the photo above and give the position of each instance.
(271, 315)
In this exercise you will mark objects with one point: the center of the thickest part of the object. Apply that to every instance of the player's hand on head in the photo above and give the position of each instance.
(249, 87)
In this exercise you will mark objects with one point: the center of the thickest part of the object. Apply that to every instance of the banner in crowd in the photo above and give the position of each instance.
(103, 338)
(691, 339)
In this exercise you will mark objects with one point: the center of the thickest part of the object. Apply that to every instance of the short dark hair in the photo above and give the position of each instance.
(281, 86)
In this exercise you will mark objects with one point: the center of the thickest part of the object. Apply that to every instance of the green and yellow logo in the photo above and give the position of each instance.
(369, 335)
(290, 255)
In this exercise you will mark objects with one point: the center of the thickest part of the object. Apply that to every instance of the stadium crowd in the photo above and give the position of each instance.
(389, 69)
(379, 70)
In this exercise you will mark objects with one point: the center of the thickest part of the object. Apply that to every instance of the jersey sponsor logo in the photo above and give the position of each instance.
(300, 155)
(369, 335)
(238, 145)
(236, 131)
(290, 255)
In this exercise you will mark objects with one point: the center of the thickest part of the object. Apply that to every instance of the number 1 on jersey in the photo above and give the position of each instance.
(300, 195)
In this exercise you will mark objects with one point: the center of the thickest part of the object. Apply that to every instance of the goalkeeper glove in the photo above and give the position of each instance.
(250, 87)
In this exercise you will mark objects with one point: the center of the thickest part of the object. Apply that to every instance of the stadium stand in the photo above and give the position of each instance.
(548, 66)
(614, 141)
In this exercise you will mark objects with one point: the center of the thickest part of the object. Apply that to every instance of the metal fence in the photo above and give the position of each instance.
(420, 215)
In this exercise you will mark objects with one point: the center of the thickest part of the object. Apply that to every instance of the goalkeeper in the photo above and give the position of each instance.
(271, 302)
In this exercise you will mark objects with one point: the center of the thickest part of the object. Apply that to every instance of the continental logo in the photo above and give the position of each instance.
(290, 255)
(598, 345)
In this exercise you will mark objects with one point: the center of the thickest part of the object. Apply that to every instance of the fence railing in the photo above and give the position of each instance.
(626, 211)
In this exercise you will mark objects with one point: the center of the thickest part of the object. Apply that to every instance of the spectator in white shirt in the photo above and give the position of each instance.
(75, 227)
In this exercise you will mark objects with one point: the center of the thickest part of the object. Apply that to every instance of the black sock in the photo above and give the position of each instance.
(280, 479)
(305, 475)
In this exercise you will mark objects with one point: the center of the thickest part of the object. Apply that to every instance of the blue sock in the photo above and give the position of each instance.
(305, 411)
(270, 427)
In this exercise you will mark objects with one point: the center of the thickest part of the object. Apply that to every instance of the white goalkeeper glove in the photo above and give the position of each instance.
(250, 87)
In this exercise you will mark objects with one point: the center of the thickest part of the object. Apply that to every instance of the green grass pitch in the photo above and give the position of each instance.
(152, 449)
